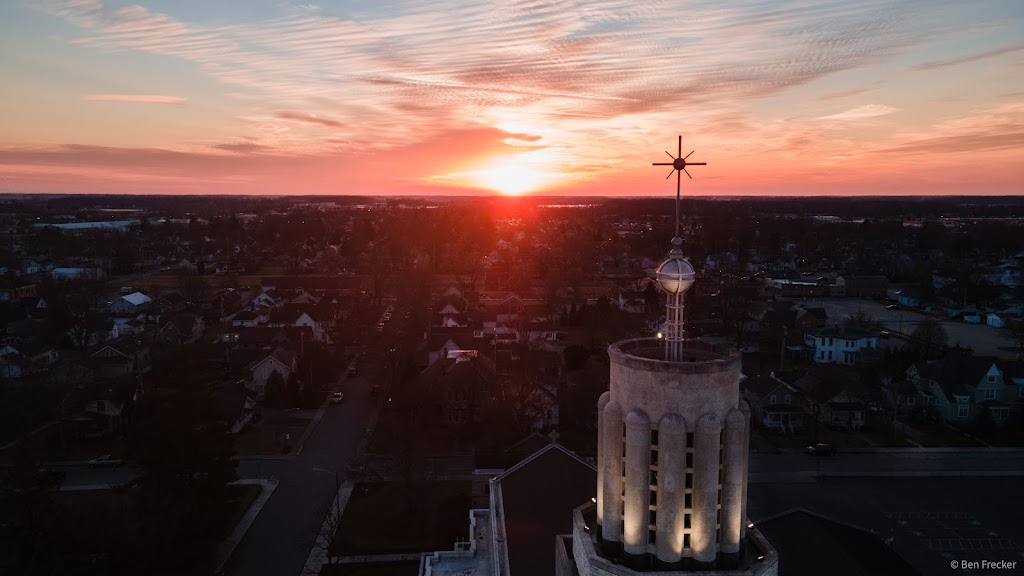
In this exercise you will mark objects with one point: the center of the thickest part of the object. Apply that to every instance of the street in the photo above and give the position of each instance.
(280, 539)
(888, 462)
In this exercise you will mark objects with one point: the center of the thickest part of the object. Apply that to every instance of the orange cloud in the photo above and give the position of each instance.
(142, 98)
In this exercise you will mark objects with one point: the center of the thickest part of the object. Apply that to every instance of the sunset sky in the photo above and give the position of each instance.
(557, 97)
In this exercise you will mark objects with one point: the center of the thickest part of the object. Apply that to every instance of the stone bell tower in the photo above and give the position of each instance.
(673, 440)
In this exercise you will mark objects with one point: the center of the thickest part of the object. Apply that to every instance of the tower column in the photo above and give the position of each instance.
(611, 469)
(638, 481)
(707, 438)
(601, 403)
(745, 408)
(734, 470)
(671, 476)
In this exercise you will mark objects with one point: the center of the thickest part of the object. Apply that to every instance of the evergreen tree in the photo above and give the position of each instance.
(184, 451)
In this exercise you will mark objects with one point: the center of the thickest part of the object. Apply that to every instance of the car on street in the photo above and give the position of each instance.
(47, 477)
(105, 460)
(893, 307)
(821, 450)
(337, 397)
(352, 371)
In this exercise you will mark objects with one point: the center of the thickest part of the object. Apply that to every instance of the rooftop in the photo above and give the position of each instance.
(698, 356)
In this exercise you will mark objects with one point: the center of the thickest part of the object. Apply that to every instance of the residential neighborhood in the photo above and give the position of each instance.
(443, 345)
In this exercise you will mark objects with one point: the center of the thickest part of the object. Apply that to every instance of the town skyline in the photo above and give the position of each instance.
(779, 98)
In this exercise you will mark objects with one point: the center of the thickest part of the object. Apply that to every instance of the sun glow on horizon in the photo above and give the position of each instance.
(513, 177)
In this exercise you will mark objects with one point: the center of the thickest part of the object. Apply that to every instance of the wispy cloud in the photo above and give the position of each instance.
(970, 58)
(308, 119)
(411, 73)
(863, 112)
(590, 83)
(142, 98)
(831, 96)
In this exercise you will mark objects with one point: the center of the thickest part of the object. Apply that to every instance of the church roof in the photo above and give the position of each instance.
(535, 509)
(837, 548)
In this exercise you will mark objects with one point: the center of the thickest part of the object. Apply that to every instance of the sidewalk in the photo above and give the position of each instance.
(227, 547)
(318, 555)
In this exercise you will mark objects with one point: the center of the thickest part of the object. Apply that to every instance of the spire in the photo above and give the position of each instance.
(675, 275)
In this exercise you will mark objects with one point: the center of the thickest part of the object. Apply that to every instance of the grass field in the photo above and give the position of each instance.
(392, 519)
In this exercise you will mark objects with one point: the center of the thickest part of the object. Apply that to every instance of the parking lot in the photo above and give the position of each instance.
(985, 340)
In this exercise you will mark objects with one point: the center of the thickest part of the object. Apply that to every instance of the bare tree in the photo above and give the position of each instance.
(863, 320)
(193, 288)
(1014, 330)
(930, 335)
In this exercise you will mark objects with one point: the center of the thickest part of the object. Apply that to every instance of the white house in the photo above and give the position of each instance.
(76, 273)
(281, 361)
(291, 316)
(832, 345)
(131, 303)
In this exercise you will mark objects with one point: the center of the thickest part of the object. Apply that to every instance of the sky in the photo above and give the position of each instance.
(449, 97)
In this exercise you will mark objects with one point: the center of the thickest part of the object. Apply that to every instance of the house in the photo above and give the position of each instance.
(183, 329)
(281, 361)
(456, 389)
(99, 408)
(839, 345)
(34, 306)
(236, 405)
(38, 354)
(77, 274)
(292, 315)
(133, 303)
(127, 356)
(171, 303)
(774, 403)
(794, 322)
(958, 388)
(185, 266)
(436, 346)
(1005, 318)
(271, 298)
(830, 400)
(245, 319)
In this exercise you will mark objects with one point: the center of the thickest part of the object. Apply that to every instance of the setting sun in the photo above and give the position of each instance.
(512, 177)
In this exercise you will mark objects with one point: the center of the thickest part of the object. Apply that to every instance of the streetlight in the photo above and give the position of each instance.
(337, 486)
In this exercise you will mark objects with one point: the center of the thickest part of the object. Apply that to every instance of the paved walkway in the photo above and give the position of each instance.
(227, 547)
(318, 555)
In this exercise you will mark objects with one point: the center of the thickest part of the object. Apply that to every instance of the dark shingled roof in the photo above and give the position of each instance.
(809, 544)
(538, 496)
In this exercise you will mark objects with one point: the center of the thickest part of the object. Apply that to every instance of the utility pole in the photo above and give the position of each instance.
(782, 352)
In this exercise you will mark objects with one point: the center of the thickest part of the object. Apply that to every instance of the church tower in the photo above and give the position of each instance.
(673, 441)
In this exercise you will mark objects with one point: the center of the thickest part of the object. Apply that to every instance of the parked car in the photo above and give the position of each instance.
(105, 460)
(47, 477)
(821, 450)
(352, 371)
(893, 307)
(337, 397)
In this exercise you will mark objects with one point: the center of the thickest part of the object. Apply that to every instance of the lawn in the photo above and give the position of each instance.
(392, 519)
(242, 496)
(266, 438)
(939, 436)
